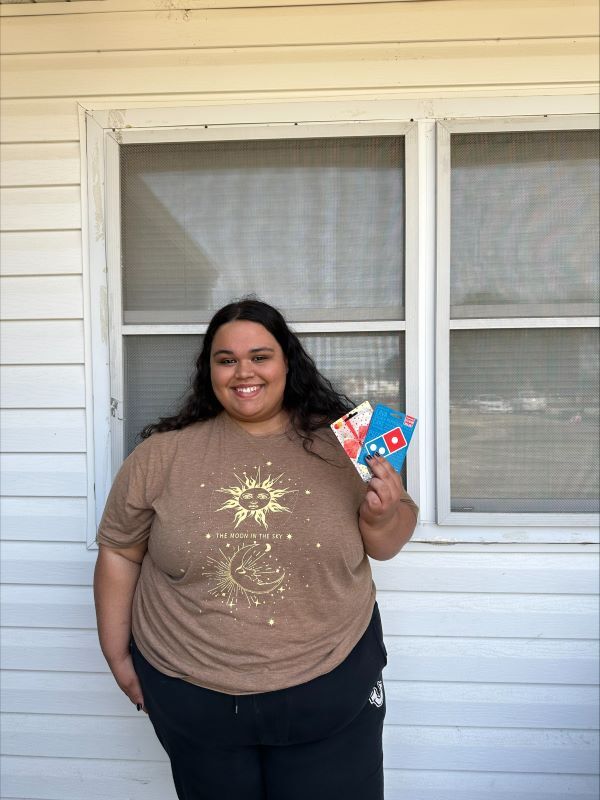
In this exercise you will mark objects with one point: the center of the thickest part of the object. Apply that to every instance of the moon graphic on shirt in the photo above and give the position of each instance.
(250, 572)
(255, 497)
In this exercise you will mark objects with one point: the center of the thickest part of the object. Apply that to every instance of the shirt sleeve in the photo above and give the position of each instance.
(128, 515)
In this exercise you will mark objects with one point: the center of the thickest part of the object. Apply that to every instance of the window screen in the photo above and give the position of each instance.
(313, 226)
(524, 224)
(525, 244)
(524, 420)
(158, 371)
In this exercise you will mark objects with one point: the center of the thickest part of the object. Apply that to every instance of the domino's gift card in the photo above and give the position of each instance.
(389, 435)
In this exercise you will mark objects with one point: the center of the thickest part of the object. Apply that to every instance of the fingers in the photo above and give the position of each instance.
(128, 682)
(385, 487)
(382, 468)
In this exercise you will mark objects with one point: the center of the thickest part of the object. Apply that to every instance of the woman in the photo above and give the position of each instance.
(233, 590)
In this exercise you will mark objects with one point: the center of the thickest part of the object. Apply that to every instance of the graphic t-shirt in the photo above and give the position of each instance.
(255, 578)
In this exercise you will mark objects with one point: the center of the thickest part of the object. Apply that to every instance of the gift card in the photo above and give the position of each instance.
(350, 431)
(389, 435)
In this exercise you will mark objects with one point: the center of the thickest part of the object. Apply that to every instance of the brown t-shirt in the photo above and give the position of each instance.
(255, 578)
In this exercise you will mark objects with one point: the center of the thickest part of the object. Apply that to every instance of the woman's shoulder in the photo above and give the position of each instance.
(162, 443)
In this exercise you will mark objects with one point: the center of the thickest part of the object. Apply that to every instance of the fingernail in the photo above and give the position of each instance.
(368, 458)
(138, 706)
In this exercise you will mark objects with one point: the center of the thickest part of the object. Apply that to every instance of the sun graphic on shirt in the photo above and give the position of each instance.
(255, 497)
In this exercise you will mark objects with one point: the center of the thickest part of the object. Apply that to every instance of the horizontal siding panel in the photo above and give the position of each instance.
(455, 785)
(66, 564)
(408, 703)
(410, 658)
(516, 616)
(94, 779)
(431, 614)
(44, 518)
(59, 474)
(278, 69)
(81, 737)
(43, 208)
(542, 573)
(500, 660)
(43, 342)
(48, 607)
(48, 297)
(42, 430)
(58, 650)
(39, 164)
(254, 27)
(110, 6)
(482, 749)
(59, 386)
(39, 121)
(486, 705)
(41, 252)
(412, 747)
(70, 779)
(60, 693)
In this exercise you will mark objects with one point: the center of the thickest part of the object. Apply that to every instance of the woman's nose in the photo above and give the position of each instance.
(244, 368)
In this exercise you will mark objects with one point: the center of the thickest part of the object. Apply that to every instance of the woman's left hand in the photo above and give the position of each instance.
(385, 521)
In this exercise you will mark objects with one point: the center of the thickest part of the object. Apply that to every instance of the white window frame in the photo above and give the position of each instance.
(103, 128)
(445, 324)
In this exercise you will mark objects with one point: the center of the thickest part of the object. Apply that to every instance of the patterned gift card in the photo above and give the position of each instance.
(351, 430)
(389, 435)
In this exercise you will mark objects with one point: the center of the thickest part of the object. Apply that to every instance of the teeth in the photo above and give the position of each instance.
(246, 389)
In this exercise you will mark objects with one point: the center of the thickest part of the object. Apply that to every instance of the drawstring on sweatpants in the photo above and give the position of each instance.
(235, 704)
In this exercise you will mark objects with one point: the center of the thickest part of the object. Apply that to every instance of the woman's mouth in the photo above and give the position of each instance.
(247, 391)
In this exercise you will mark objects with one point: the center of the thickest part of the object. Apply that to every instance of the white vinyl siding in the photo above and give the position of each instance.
(493, 647)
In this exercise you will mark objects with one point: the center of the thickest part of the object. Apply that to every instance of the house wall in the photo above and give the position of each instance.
(492, 677)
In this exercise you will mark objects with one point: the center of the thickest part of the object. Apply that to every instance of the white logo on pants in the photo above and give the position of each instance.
(376, 697)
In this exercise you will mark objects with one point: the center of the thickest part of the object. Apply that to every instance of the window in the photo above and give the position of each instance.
(518, 304)
(448, 268)
(312, 222)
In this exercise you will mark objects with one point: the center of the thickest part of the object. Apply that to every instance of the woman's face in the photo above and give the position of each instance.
(248, 373)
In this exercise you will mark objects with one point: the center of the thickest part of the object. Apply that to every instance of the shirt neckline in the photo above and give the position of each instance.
(231, 425)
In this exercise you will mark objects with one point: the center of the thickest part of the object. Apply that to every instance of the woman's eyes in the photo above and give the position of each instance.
(228, 361)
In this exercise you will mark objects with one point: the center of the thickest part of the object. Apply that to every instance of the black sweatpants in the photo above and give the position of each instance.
(321, 740)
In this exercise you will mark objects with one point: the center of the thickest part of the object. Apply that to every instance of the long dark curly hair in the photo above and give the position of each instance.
(309, 397)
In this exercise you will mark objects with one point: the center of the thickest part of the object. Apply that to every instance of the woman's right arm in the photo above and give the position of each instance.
(115, 578)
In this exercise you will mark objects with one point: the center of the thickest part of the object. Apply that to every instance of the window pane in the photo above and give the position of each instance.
(524, 224)
(365, 366)
(524, 420)
(158, 370)
(313, 226)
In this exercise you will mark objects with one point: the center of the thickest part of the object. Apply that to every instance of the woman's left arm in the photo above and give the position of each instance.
(386, 521)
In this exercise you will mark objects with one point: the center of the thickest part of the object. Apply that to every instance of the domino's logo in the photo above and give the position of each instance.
(386, 444)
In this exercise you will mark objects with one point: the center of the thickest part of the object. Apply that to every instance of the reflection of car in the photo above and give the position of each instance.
(529, 401)
(491, 403)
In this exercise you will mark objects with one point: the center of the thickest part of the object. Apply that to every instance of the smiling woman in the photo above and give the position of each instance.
(233, 588)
